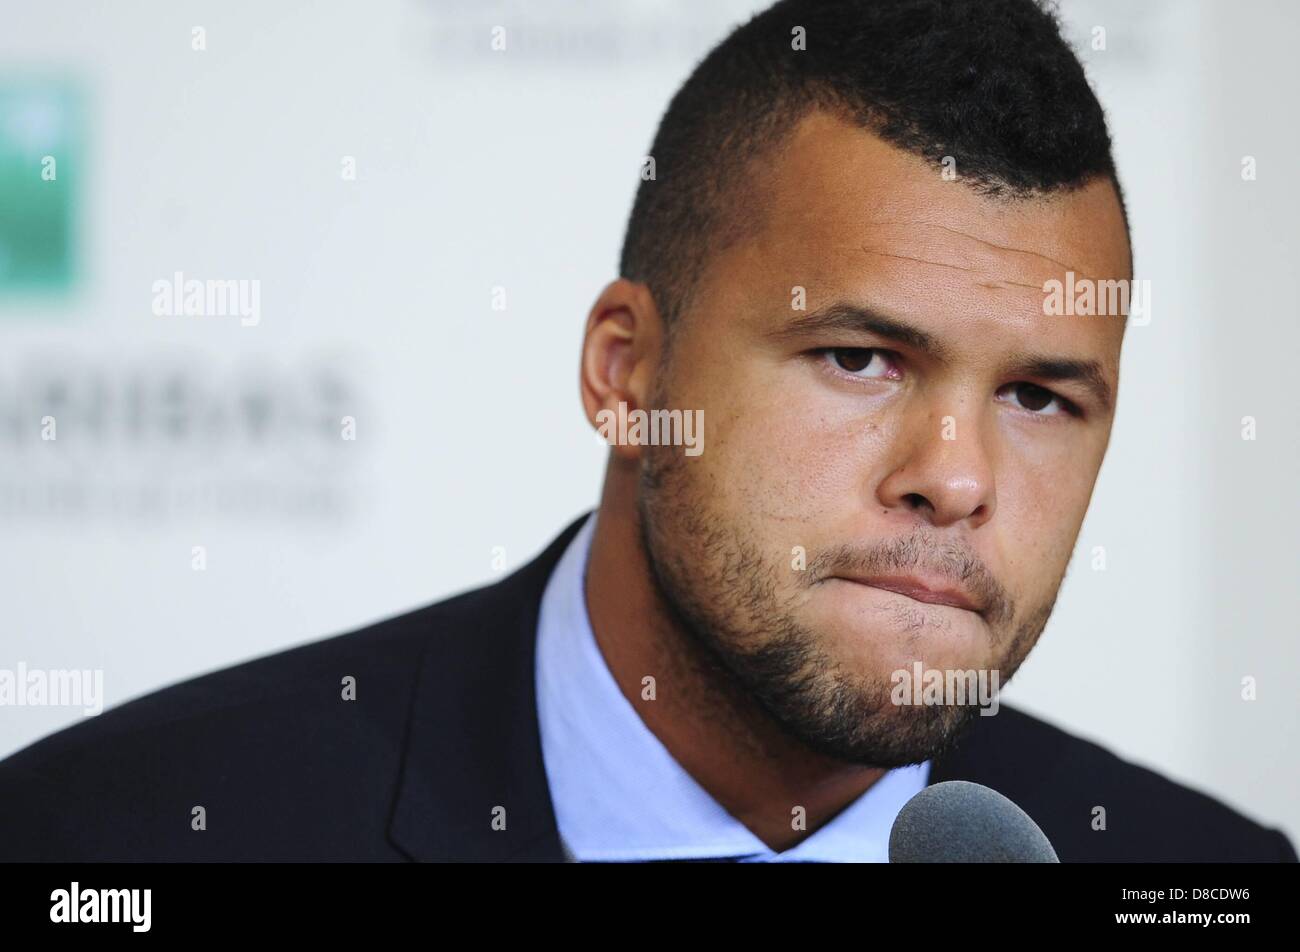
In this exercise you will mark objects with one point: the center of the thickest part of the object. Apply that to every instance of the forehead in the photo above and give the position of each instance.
(847, 215)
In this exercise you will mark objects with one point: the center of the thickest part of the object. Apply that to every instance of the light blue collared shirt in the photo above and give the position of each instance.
(619, 795)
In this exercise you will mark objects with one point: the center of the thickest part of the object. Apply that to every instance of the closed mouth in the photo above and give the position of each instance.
(931, 591)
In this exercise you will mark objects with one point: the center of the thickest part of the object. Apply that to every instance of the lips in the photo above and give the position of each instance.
(932, 591)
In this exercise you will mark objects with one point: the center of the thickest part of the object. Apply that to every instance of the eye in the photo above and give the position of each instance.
(862, 361)
(1038, 400)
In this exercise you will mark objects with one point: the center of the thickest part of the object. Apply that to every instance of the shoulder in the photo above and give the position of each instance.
(248, 759)
(1098, 807)
(297, 755)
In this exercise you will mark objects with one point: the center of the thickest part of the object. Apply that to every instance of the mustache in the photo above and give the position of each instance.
(919, 551)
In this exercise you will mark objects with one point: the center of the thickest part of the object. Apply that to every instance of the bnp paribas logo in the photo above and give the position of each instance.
(41, 150)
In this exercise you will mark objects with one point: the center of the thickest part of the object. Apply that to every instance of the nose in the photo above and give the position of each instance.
(942, 473)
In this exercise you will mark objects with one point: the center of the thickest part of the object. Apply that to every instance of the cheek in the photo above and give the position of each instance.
(780, 452)
(1043, 493)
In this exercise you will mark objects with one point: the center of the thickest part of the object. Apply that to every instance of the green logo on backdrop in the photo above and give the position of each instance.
(40, 172)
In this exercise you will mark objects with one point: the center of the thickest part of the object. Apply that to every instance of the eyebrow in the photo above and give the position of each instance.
(842, 316)
(1087, 373)
(851, 317)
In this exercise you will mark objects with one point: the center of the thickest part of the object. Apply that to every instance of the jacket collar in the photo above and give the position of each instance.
(473, 743)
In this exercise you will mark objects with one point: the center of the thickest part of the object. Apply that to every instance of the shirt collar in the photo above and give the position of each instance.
(618, 793)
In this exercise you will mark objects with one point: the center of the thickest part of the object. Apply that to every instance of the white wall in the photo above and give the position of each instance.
(477, 169)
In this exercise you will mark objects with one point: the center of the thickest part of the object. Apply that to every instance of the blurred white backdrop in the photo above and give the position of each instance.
(477, 170)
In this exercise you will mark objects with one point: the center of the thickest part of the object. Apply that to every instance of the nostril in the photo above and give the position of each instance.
(916, 501)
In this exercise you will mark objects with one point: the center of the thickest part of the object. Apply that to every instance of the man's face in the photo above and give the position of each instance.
(919, 431)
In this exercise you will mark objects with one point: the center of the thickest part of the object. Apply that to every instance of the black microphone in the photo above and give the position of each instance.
(962, 822)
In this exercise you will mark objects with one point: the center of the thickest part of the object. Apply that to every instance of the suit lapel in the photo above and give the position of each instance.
(473, 754)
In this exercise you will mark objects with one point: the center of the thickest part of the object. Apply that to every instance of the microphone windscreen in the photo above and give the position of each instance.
(962, 822)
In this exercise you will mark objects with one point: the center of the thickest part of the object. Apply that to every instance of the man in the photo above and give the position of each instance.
(840, 267)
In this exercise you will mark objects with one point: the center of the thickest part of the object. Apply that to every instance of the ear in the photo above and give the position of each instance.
(621, 349)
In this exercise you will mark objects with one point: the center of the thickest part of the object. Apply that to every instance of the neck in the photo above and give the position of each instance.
(732, 748)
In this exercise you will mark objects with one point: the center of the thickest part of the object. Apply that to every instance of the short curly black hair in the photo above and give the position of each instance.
(990, 82)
